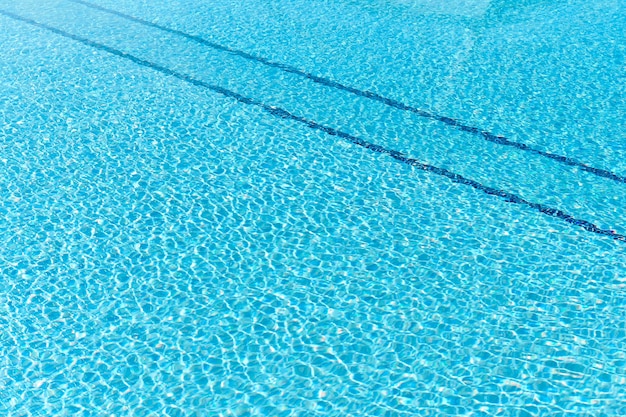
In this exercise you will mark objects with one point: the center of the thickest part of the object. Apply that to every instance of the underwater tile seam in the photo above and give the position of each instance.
(489, 137)
(284, 114)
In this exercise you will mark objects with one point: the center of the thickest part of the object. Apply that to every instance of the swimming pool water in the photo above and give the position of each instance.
(380, 208)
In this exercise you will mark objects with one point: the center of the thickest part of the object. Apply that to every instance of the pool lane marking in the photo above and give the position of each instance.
(284, 114)
(488, 136)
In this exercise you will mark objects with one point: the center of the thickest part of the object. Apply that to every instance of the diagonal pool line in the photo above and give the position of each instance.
(284, 114)
(488, 136)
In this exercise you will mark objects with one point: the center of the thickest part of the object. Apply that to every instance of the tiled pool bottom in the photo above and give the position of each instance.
(210, 271)
(166, 251)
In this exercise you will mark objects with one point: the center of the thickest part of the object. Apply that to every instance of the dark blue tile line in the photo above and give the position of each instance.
(490, 137)
(284, 114)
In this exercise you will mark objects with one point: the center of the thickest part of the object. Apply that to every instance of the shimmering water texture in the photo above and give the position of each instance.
(333, 208)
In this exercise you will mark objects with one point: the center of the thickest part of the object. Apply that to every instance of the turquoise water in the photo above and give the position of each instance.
(289, 208)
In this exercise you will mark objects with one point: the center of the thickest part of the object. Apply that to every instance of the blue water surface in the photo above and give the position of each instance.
(320, 208)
